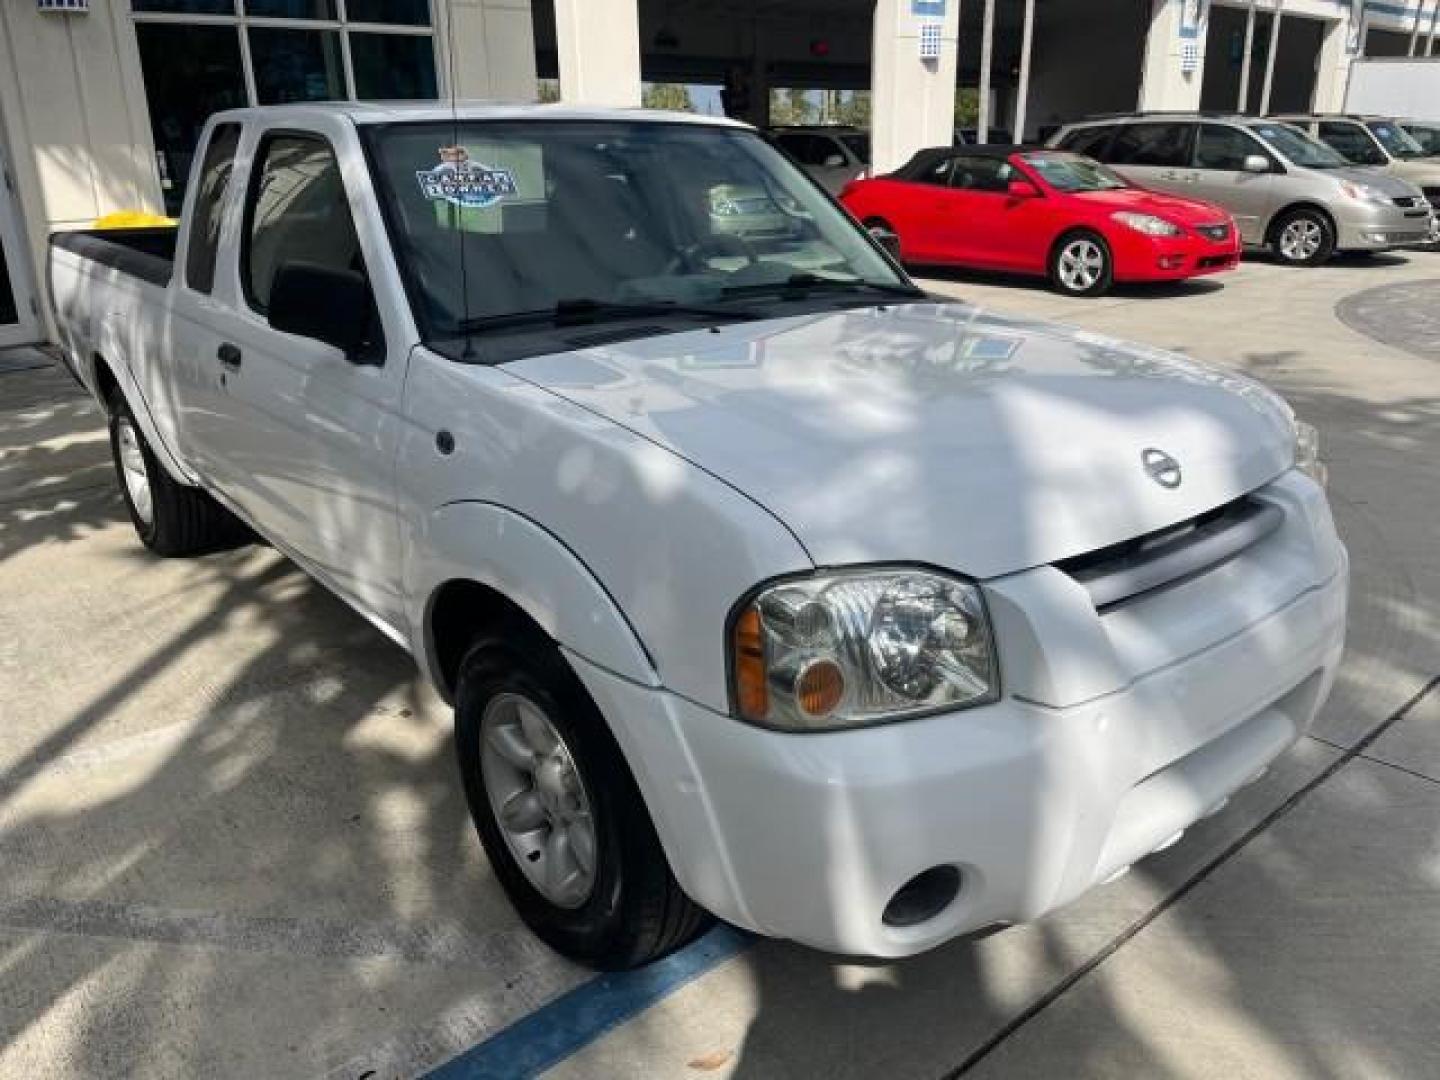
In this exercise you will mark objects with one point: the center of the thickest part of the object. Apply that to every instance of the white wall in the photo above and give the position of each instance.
(75, 117)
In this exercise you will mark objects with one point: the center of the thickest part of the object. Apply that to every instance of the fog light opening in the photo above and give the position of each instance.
(923, 897)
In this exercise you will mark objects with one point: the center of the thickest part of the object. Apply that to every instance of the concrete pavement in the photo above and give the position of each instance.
(234, 843)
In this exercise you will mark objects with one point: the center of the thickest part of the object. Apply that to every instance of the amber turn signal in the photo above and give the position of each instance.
(752, 694)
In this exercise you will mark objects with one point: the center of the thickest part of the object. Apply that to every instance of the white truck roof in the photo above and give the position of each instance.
(389, 112)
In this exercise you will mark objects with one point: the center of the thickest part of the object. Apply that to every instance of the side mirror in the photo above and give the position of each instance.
(1256, 163)
(887, 240)
(834, 161)
(333, 306)
(1022, 189)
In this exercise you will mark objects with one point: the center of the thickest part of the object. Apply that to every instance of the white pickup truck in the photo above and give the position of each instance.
(762, 583)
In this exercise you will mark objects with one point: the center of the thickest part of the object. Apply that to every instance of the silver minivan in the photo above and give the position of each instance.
(1383, 143)
(1285, 190)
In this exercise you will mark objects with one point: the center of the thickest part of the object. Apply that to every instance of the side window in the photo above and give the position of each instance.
(1351, 142)
(806, 148)
(1151, 144)
(204, 239)
(1090, 141)
(1224, 148)
(937, 173)
(982, 174)
(297, 212)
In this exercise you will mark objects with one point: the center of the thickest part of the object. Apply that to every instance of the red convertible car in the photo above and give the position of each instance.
(1042, 212)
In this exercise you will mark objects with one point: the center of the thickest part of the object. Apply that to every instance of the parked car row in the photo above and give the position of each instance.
(1160, 197)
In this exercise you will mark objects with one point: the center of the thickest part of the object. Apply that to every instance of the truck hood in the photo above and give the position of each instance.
(937, 433)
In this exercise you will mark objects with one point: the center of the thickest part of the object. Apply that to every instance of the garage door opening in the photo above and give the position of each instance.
(1296, 62)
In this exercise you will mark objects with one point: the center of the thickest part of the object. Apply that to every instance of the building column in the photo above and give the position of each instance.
(1332, 72)
(912, 98)
(1277, 23)
(1175, 43)
(597, 43)
(492, 54)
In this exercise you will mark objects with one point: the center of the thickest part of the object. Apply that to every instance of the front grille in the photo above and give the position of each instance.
(1214, 232)
(1407, 201)
(1133, 568)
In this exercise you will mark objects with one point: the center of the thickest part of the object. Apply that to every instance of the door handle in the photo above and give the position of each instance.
(229, 356)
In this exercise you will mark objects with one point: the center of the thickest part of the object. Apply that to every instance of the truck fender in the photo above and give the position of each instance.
(108, 354)
(499, 548)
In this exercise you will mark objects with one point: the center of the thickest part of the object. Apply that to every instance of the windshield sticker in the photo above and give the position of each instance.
(461, 182)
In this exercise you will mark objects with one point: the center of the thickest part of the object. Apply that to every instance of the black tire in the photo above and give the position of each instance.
(183, 520)
(875, 225)
(1307, 235)
(1078, 244)
(635, 912)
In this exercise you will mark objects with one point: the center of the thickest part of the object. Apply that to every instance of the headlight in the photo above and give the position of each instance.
(1307, 453)
(861, 647)
(1148, 224)
(1365, 193)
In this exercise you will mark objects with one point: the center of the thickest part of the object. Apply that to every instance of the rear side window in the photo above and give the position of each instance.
(210, 207)
(1224, 148)
(297, 212)
(808, 149)
(1152, 144)
(1091, 141)
(1353, 142)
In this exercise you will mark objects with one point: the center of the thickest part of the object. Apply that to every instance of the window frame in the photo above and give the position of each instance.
(242, 22)
(1101, 151)
(1187, 151)
(222, 204)
(1257, 147)
(252, 188)
(1365, 135)
(1000, 163)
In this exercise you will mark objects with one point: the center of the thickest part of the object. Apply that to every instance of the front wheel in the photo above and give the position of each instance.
(1303, 238)
(558, 812)
(1081, 265)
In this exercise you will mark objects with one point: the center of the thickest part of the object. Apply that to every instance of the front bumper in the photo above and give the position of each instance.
(1144, 258)
(809, 837)
(1363, 227)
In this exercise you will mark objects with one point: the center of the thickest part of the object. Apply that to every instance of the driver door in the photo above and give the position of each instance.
(314, 431)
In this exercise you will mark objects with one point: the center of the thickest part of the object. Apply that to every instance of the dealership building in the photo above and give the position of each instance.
(101, 101)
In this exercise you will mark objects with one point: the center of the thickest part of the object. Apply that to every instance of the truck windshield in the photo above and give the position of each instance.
(1300, 148)
(497, 222)
(1395, 139)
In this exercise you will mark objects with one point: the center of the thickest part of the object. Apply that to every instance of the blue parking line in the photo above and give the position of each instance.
(575, 1019)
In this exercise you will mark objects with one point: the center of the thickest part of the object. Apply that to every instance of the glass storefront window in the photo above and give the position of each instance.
(185, 7)
(297, 52)
(292, 9)
(296, 65)
(398, 12)
(190, 72)
(393, 67)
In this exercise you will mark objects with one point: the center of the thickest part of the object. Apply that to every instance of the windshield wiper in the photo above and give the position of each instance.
(799, 286)
(583, 311)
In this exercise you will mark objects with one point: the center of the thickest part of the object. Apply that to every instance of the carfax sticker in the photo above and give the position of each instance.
(461, 182)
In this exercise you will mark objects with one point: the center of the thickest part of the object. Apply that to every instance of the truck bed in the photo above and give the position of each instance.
(146, 253)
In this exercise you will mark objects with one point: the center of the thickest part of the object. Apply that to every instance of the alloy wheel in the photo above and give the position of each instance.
(133, 471)
(1301, 239)
(538, 799)
(1081, 265)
